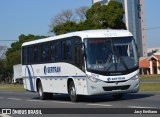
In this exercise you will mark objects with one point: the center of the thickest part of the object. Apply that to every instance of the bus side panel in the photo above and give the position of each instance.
(80, 82)
(28, 77)
(54, 81)
(60, 85)
(47, 85)
(45, 81)
(55, 76)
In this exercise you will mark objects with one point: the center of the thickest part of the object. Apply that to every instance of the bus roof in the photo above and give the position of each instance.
(100, 33)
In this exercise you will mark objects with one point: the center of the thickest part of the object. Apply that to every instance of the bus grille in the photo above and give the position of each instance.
(116, 88)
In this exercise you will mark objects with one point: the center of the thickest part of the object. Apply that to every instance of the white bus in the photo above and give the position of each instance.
(91, 62)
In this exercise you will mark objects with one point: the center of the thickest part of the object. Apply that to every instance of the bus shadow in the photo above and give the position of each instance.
(109, 98)
(56, 97)
(98, 98)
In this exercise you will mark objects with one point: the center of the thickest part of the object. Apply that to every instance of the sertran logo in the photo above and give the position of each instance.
(56, 69)
(108, 79)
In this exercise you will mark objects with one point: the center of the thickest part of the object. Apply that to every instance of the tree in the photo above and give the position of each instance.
(2, 70)
(3, 50)
(13, 54)
(97, 17)
(107, 16)
(66, 27)
(62, 17)
(115, 14)
(81, 12)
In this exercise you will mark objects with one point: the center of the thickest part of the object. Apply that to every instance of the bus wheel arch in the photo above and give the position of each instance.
(72, 90)
(68, 83)
(40, 89)
(37, 82)
(42, 95)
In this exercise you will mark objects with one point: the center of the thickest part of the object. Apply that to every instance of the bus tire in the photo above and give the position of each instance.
(72, 92)
(43, 95)
(117, 96)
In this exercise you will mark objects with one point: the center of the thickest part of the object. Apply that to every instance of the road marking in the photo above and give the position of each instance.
(139, 107)
(99, 105)
(14, 99)
(36, 101)
(63, 102)
(6, 92)
(1, 97)
(51, 101)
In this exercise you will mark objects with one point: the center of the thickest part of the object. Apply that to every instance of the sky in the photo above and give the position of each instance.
(34, 17)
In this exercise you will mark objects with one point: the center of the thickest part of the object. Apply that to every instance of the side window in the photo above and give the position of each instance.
(58, 51)
(30, 55)
(52, 52)
(45, 52)
(66, 50)
(24, 55)
(64, 55)
(37, 54)
(69, 50)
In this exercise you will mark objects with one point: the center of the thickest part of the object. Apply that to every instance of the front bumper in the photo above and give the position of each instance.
(101, 87)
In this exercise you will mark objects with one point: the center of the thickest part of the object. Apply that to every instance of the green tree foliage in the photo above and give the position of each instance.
(13, 54)
(13, 59)
(2, 70)
(115, 14)
(68, 26)
(97, 17)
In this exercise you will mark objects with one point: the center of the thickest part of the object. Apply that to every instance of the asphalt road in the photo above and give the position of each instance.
(24, 99)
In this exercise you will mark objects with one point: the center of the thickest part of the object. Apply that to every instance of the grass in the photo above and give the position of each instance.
(144, 87)
(150, 87)
(15, 87)
(150, 77)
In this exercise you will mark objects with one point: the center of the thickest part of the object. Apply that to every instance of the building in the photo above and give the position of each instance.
(150, 65)
(135, 21)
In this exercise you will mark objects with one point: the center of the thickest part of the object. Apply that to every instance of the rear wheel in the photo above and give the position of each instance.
(43, 95)
(72, 92)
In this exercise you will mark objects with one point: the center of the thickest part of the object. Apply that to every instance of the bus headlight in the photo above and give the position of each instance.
(135, 77)
(92, 78)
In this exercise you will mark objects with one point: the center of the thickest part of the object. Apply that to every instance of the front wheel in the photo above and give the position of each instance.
(43, 95)
(72, 92)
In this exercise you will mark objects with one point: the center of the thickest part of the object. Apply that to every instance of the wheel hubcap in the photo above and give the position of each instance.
(73, 92)
(40, 91)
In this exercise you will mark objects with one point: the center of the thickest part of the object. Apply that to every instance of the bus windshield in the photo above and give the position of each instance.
(111, 55)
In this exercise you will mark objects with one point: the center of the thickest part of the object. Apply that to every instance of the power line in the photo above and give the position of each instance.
(144, 29)
(152, 28)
